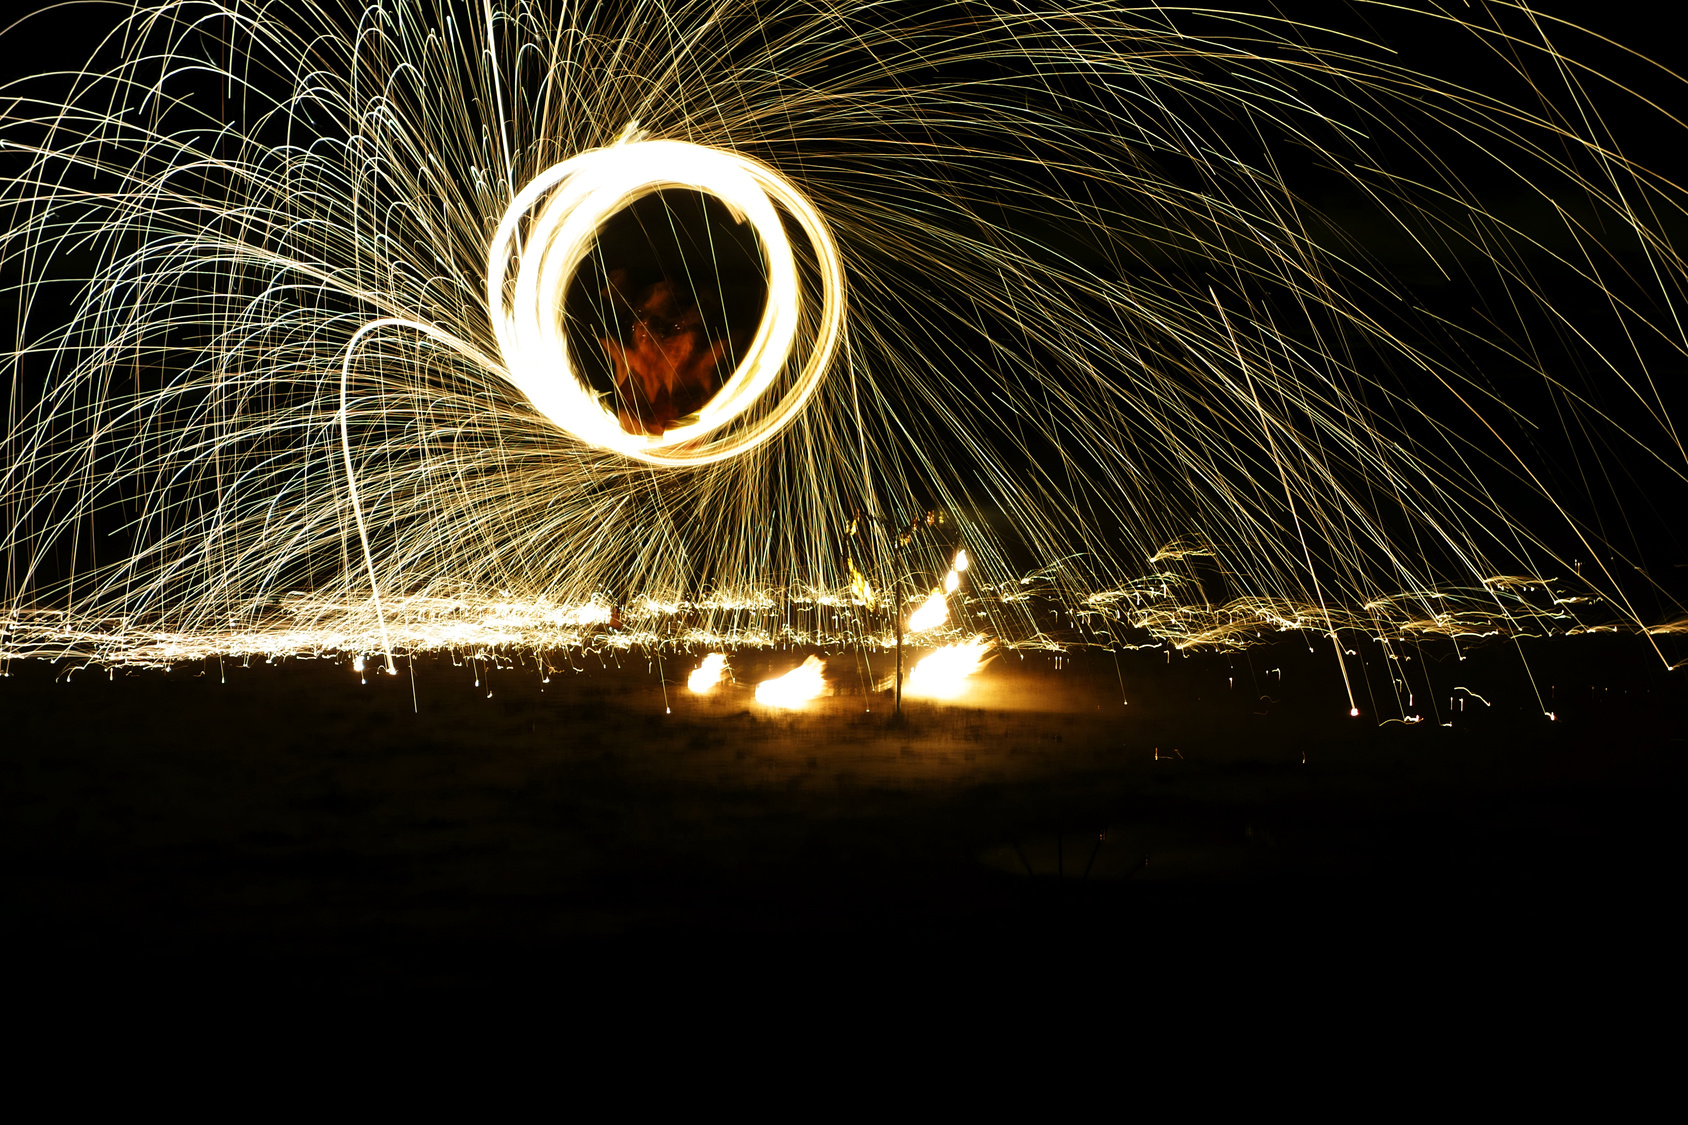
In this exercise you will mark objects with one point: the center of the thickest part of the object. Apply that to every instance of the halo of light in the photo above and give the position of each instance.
(562, 210)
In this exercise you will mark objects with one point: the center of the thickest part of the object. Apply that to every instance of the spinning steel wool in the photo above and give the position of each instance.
(417, 326)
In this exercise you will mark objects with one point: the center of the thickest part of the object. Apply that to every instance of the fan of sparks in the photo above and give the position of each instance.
(1124, 305)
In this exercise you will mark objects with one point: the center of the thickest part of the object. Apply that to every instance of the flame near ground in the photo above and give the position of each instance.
(946, 673)
(795, 688)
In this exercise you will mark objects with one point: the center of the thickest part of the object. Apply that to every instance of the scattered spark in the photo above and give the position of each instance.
(297, 402)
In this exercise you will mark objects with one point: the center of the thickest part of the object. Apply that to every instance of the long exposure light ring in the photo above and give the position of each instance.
(563, 209)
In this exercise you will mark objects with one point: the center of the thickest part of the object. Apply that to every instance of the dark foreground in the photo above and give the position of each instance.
(287, 829)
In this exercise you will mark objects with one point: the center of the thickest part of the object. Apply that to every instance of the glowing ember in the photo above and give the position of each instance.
(708, 674)
(795, 688)
(944, 674)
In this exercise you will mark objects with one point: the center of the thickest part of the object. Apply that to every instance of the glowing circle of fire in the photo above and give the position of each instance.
(551, 226)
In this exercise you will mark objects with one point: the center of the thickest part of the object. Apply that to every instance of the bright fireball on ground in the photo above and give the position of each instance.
(945, 673)
(796, 687)
(708, 674)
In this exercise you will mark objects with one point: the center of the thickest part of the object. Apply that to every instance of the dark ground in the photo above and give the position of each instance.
(288, 829)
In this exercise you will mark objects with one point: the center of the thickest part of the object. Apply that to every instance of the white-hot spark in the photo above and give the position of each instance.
(299, 359)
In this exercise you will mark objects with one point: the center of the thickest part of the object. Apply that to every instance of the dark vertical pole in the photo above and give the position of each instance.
(897, 612)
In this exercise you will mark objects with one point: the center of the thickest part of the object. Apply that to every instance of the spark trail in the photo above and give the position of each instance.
(326, 338)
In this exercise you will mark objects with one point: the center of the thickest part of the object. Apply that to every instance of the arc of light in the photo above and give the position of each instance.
(449, 341)
(1289, 498)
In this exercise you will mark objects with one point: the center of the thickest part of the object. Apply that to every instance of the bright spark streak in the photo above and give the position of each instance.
(293, 400)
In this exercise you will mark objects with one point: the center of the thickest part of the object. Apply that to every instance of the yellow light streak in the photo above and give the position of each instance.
(318, 397)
